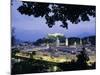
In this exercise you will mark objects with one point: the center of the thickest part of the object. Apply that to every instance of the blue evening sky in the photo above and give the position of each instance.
(29, 28)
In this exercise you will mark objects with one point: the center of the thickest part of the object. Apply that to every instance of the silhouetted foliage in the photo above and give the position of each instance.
(90, 39)
(14, 51)
(13, 39)
(33, 66)
(32, 54)
(54, 12)
(43, 40)
(93, 66)
(82, 59)
(80, 64)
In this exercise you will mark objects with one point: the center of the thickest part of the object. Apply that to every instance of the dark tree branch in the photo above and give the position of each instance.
(61, 12)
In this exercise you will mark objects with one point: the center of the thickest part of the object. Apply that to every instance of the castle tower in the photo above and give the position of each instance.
(47, 46)
(66, 42)
(80, 42)
(75, 44)
(57, 42)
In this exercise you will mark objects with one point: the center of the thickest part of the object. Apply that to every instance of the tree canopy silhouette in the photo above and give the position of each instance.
(13, 39)
(82, 59)
(53, 12)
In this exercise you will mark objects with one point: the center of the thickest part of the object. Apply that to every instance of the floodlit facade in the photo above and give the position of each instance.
(56, 34)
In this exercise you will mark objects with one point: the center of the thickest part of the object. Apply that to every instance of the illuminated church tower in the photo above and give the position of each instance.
(66, 43)
(57, 42)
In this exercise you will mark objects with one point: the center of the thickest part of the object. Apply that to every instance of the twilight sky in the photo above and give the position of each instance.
(29, 28)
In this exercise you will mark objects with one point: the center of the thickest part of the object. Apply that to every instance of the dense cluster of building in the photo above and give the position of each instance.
(56, 51)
